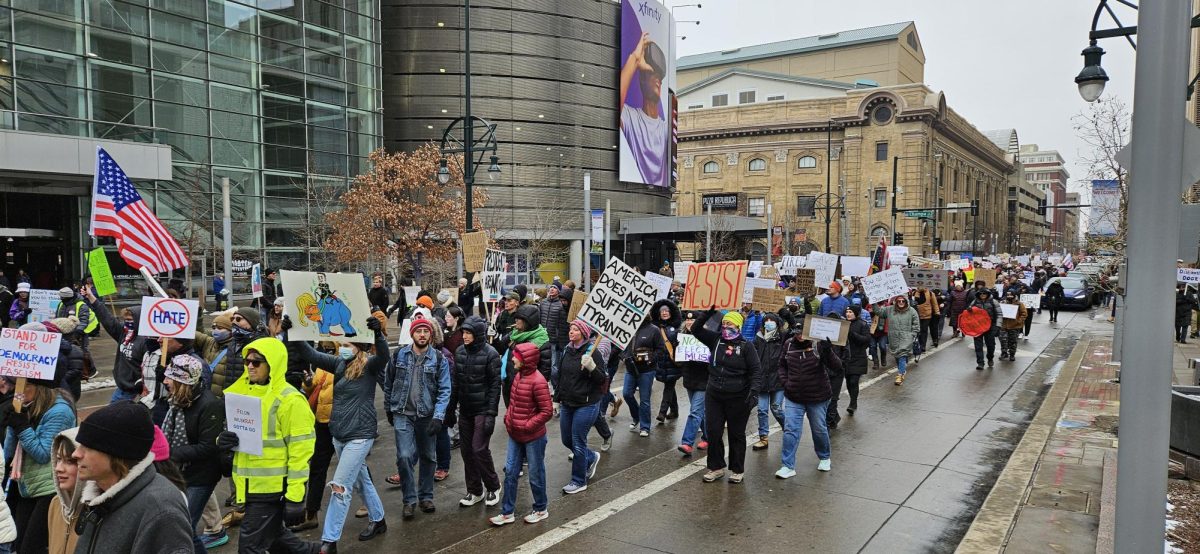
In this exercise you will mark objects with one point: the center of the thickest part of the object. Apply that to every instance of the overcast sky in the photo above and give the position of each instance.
(1000, 64)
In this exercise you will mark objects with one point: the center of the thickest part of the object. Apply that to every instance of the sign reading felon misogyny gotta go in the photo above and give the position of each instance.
(618, 303)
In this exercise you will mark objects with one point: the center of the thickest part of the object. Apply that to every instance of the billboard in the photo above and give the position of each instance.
(647, 83)
(1105, 213)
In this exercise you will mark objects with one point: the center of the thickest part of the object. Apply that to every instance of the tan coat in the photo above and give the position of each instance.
(64, 510)
(929, 308)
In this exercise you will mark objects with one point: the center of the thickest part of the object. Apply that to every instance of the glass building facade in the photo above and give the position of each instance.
(279, 96)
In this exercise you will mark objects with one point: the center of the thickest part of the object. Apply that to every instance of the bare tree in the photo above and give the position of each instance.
(195, 233)
(1105, 127)
(724, 244)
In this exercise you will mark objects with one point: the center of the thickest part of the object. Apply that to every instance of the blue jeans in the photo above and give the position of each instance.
(533, 452)
(769, 402)
(350, 474)
(643, 383)
(119, 395)
(695, 418)
(443, 449)
(902, 364)
(879, 346)
(574, 426)
(197, 497)
(793, 416)
(413, 446)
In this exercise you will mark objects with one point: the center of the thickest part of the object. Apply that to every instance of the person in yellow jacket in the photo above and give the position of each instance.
(271, 485)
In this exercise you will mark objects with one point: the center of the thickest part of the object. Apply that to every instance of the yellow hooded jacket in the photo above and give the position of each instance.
(289, 438)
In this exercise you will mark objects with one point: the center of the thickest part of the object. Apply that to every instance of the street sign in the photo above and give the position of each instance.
(919, 214)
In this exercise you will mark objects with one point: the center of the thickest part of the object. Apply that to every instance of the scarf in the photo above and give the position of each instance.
(175, 429)
(538, 336)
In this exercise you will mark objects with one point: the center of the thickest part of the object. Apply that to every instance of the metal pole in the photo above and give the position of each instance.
(227, 239)
(587, 231)
(770, 234)
(708, 234)
(1156, 174)
(975, 228)
(469, 128)
(828, 183)
(895, 198)
(607, 226)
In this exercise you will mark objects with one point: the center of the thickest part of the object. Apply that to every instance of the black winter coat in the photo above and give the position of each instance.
(70, 366)
(475, 385)
(805, 373)
(576, 386)
(199, 459)
(1184, 304)
(127, 367)
(769, 352)
(735, 367)
(378, 298)
(857, 342)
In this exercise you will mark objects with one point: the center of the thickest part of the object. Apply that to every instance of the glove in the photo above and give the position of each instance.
(293, 513)
(451, 419)
(373, 324)
(227, 440)
(489, 424)
(827, 343)
(19, 421)
(286, 323)
(27, 311)
(435, 427)
(588, 362)
(391, 419)
(753, 398)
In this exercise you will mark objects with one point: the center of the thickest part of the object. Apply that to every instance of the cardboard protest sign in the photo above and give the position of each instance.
(328, 306)
(955, 265)
(660, 282)
(680, 269)
(926, 278)
(43, 304)
(720, 284)
(618, 303)
(474, 247)
(820, 328)
(884, 285)
(789, 264)
(988, 276)
(898, 255)
(1032, 301)
(770, 272)
(755, 283)
(1189, 276)
(243, 417)
(855, 266)
(102, 277)
(825, 266)
(578, 299)
(1009, 311)
(493, 275)
(31, 354)
(768, 300)
(755, 269)
(168, 317)
(805, 282)
(690, 349)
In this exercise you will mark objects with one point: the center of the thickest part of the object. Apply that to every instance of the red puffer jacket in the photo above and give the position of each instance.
(530, 406)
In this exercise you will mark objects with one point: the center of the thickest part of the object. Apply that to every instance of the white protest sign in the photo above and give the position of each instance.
(43, 303)
(1189, 276)
(406, 333)
(168, 317)
(855, 266)
(493, 275)
(918, 278)
(410, 295)
(1055, 260)
(31, 354)
(825, 266)
(987, 265)
(681, 269)
(820, 328)
(755, 269)
(898, 255)
(789, 264)
(256, 281)
(1023, 260)
(690, 349)
(1032, 301)
(1009, 311)
(243, 417)
(618, 303)
(1037, 260)
(661, 282)
(955, 265)
(753, 283)
(884, 285)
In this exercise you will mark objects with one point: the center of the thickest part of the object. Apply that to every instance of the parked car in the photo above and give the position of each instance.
(1076, 292)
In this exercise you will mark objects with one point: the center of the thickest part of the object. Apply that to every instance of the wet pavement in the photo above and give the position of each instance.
(910, 470)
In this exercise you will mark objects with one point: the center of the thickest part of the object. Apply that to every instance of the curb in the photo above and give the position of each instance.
(990, 529)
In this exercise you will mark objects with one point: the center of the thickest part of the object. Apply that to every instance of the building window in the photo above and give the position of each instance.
(911, 39)
(757, 164)
(711, 167)
(719, 100)
(758, 207)
(695, 106)
(746, 97)
(806, 206)
(806, 162)
(880, 198)
(674, 208)
(775, 97)
(882, 114)
(881, 153)
(954, 181)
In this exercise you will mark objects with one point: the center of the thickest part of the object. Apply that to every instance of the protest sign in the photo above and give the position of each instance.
(884, 285)
(661, 282)
(578, 299)
(1023, 260)
(988, 276)
(855, 266)
(770, 272)
(970, 274)
(805, 283)
(789, 264)
(680, 269)
(755, 269)
(825, 266)
(256, 281)
(243, 417)
(406, 332)
(898, 255)
(720, 284)
(690, 349)
(755, 283)
(410, 295)
(1032, 301)
(493, 275)
(1055, 260)
(918, 278)
(955, 265)
(474, 247)
(1189, 276)
(1009, 311)
(1037, 260)
(987, 265)
(102, 277)
(328, 306)
(768, 300)
(819, 328)
(31, 354)
(168, 317)
(618, 303)
(43, 304)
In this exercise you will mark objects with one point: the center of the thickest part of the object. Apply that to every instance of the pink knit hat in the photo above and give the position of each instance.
(583, 327)
(161, 448)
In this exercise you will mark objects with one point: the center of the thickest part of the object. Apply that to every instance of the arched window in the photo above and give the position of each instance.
(758, 164)
(879, 231)
(806, 162)
(711, 167)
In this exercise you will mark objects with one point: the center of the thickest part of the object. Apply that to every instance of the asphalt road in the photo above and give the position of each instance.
(909, 471)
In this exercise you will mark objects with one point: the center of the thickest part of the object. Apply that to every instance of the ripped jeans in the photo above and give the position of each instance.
(351, 475)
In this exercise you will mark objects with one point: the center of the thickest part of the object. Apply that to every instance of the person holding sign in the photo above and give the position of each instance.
(984, 301)
(695, 381)
(651, 350)
(19, 310)
(131, 348)
(580, 390)
(858, 341)
(734, 380)
(804, 375)
(272, 484)
(903, 325)
(193, 422)
(1010, 328)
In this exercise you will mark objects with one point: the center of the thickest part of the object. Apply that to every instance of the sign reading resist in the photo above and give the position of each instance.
(720, 284)
(618, 303)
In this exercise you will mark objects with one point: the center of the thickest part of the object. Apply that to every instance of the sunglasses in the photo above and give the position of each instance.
(255, 362)
(237, 318)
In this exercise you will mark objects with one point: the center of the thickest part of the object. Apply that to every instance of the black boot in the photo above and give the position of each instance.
(373, 529)
(328, 548)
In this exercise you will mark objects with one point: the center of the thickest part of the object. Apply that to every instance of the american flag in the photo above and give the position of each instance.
(119, 212)
(879, 260)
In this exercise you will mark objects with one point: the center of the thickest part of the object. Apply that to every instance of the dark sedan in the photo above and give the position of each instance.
(1076, 292)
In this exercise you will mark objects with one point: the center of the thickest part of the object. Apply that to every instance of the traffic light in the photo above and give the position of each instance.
(974, 208)
(899, 238)
(937, 244)
(1041, 208)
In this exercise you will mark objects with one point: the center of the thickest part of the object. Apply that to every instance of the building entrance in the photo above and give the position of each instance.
(36, 233)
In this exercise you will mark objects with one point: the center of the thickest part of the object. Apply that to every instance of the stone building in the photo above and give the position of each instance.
(1026, 230)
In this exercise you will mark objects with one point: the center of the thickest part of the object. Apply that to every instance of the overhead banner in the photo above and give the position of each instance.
(926, 278)
(1106, 208)
(884, 285)
(329, 306)
(474, 245)
(493, 275)
(168, 317)
(29, 354)
(647, 81)
(715, 284)
(618, 303)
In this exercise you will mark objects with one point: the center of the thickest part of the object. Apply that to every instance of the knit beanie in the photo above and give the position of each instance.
(122, 430)
(33, 326)
(161, 448)
(835, 287)
(222, 322)
(251, 315)
(421, 323)
(425, 302)
(735, 317)
(584, 328)
(185, 369)
(65, 325)
(443, 297)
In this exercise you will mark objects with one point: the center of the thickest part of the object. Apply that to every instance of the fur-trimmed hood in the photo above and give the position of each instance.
(93, 496)
(676, 317)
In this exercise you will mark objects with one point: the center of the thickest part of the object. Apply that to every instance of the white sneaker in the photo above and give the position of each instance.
(571, 455)
(502, 519)
(535, 517)
(644, 433)
(633, 427)
(825, 465)
(470, 500)
(491, 498)
(785, 472)
(591, 472)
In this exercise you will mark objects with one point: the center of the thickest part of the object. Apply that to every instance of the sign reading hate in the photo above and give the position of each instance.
(618, 303)
(168, 317)
(30, 354)
(719, 284)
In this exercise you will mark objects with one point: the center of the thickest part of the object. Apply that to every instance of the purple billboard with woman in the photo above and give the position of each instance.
(647, 79)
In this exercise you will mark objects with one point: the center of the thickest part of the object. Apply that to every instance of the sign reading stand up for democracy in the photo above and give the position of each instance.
(719, 284)
(618, 303)
(31, 354)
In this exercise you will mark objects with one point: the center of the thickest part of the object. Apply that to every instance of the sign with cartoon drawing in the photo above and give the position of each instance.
(328, 306)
